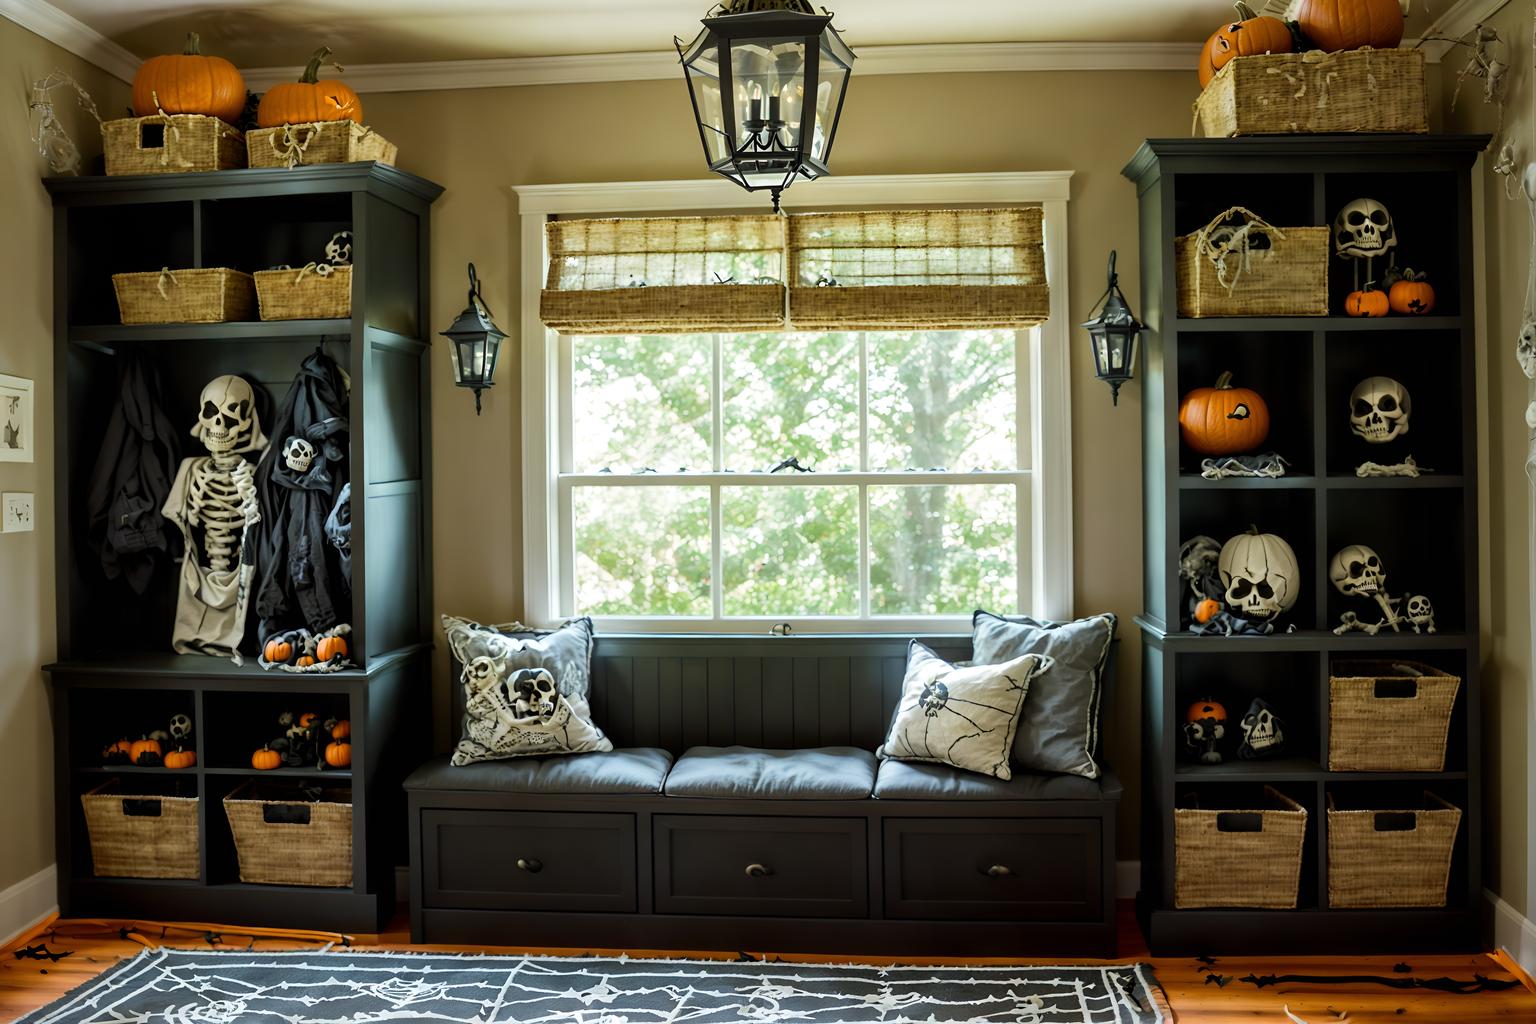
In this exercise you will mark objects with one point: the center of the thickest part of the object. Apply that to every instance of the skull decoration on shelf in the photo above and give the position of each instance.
(1263, 732)
(536, 694)
(1420, 614)
(1380, 410)
(181, 729)
(1525, 348)
(1364, 230)
(226, 414)
(338, 251)
(1260, 576)
(298, 454)
(1358, 571)
(1205, 726)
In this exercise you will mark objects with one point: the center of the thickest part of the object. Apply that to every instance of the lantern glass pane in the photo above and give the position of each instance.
(829, 95)
(458, 368)
(704, 80)
(492, 350)
(471, 360)
(768, 76)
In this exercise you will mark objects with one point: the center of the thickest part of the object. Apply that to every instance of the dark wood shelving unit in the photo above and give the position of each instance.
(116, 673)
(1305, 367)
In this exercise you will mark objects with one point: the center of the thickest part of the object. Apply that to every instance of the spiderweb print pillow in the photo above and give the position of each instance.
(962, 717)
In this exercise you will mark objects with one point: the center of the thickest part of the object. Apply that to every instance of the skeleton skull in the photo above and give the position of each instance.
(1421, 614)
(1363, 229)
(1258, 576)
(1525, 348)
(299, 454)
(1356, 571)
(536, 695)
(1262, 733)
(934, 696)
(181, 728)
(1379, 410)
(480, 674)
(338, 250)
(226, 416)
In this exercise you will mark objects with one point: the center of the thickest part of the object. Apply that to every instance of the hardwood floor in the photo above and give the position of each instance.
(93, 946)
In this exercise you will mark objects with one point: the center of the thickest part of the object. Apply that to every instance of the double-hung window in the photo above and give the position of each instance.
(836, 479)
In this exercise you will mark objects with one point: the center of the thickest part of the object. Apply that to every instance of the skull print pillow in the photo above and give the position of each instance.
(524, 693)
(962, 717)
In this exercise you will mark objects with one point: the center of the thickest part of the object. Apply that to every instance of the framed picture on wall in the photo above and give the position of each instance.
(16, 437)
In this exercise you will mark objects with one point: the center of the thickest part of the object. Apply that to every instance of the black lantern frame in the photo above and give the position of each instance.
(476, 343)
(1115, 336)
(756, 66)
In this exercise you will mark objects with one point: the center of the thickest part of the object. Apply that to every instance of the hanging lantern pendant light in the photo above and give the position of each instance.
(767, 79)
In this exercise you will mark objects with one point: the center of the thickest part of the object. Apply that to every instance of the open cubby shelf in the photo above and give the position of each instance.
(116, 675)
(1306, 369)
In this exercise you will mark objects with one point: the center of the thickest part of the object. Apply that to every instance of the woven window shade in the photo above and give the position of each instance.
(664, 275)
(917, 270)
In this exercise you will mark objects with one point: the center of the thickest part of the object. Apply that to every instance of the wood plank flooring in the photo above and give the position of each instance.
(26, 984)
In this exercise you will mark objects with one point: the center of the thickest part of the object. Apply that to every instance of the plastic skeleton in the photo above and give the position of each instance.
(213, 502)
(1364, 230)
(53, 142)
(1357, 571)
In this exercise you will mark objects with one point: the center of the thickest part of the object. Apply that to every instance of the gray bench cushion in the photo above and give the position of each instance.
(902, 780)
(618, 771)
(745, 773)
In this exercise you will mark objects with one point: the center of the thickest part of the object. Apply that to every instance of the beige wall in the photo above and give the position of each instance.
(26, 350)
(1507, 659)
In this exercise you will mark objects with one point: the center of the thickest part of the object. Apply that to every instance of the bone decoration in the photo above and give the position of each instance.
(1358, 571)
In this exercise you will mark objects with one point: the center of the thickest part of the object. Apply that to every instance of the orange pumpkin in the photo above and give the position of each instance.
(180, 758)
(277, 651)
(1223, 420)
(266, 759)
(341, 730)
(1206, 709)
(331, 647)
(121, 750)
(1203, 66)
(189, 83)
(1411, 294)
(1350, 24)
(338, 755)
(145, 752)
(309, 99)
(1247, 37)
(1207, 610)
(1368, 302)
(307, 719)
(305, 661)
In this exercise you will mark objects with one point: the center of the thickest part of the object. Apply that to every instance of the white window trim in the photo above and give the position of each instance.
(1050, 516)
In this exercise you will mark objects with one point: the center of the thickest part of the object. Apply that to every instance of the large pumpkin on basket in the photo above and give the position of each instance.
(189, 83)
(310, 99)
(1350, 24)
(1249, 36)
(1223, 420)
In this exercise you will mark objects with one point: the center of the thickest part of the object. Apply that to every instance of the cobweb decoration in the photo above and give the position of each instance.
(53, 142)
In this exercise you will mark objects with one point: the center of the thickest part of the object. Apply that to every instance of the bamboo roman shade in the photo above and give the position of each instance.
(665, 275)
(917, 270)
(887, 270)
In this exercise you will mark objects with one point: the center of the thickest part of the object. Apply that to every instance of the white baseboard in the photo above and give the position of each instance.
(1127, 879)
(1512, 932)
(28, 902)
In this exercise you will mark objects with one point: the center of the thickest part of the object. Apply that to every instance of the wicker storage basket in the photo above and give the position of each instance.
(288, 837)
(1306, 93)
(1225, 274)
(323, 142)
(314, 292)
(1239, 858)
(1386, 716)
(1391, 858)
(205, 296)
(171, 143)
(135, 836)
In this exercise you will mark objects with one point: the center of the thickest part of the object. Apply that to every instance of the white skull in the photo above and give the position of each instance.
(1261, 729)
(339, 249)
(933, 698)
(1356, 571)
(1420, 613)
(1258, 587)
(536, 695)
(480, 674)
(1379, 409)
(1525, 348)
(181, 727)
(1363, 229)
(226, 416)
(299, 454)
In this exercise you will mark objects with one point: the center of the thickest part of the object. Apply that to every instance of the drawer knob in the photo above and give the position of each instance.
(757, 871)
(530, 865)
(999, 871)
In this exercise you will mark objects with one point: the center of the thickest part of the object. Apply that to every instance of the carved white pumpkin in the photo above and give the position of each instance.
(1260, 574)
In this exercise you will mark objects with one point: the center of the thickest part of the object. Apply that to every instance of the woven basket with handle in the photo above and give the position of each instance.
(1252, 268)
(204, 296)
(323, 142)
(171, 143)
(1239, 858)
(135, 836)
(1389, 716)
(317, 291)
(292, 837)
(1361, 90)
(1391, 858)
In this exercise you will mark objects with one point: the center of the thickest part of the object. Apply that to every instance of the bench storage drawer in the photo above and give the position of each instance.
(527, 860)
(979, 869)
(769, 866)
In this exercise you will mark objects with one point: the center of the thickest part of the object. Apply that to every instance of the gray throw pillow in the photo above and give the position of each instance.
(1060, 730)
(962, 717)
(524, 695)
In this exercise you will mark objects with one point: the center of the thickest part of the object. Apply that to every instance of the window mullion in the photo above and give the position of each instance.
(716, 505)
(864, 582)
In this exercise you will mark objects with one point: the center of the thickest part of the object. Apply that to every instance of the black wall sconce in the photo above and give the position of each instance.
(1115, 335)
(476, 343)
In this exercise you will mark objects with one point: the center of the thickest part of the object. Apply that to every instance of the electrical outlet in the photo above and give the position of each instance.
(18, 513)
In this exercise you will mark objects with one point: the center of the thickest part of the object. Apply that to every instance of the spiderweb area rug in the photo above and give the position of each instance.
(198, 987)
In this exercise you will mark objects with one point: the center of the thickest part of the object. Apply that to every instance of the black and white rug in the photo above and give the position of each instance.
(198, 987)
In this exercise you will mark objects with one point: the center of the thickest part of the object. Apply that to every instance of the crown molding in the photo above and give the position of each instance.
(72, 34)
(1456, 22)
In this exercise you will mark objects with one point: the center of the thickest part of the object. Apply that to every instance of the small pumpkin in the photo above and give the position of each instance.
(1369, 301)
(1223, 420)
(307, 719)
(180, 758)
(1207, 610)
(341, 730)
(277, 652)
(266, 759)
(145, 753)
(305, 661)
(330, 648)
(120, 752)
(1411, 294)
(1202, 709)
(1350, 24)
(1249, 36)
(309, 99)
(189, 83)
(338, 755)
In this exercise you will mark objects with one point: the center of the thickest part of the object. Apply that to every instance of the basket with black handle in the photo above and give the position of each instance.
(137, 835)
(1247, 857)
(292, 835)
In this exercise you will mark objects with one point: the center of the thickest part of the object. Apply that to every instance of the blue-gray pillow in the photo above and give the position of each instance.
(1059, 731)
